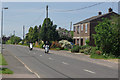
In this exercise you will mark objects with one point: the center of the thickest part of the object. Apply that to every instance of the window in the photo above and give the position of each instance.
(82, 27)
(74, 28)
(78, 29)
(77, 41)
(86, 26)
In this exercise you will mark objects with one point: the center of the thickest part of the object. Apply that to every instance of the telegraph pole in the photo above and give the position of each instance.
(70, 26)
(47, 11)
(14, 32)
(23, 34)
(47, 16)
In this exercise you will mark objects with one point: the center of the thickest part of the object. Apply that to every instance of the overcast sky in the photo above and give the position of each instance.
(33, 13)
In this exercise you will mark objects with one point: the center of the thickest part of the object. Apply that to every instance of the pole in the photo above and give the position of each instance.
(70, 26)
(2, 32)
(23, 33)
(14, 32)
(47, 11)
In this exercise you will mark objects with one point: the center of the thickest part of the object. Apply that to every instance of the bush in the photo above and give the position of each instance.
(87, 41)
(81, 51)
(55, 44)
(66, 49)
(75, 49)
(65, 44)
(87, 51)
(93, 50)
(57, 48)
(98, 52)
(83, 47)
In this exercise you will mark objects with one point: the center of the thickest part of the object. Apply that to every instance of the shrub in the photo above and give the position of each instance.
(93, 50)
(87, 51)
(75, 49)
(98, 52)
(66, 49)
(55, 44)
(57, 48)
(41, 45)
(81, 51)
(65, 44)
(87, 41)
(83, 47)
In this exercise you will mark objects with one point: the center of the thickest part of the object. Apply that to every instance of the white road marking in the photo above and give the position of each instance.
(40, 55)
(65, 63)
(27, 66)
(89, 71)
(50, 58)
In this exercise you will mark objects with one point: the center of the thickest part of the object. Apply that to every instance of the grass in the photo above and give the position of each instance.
(2, 60)
(5, 71)
(96, 56)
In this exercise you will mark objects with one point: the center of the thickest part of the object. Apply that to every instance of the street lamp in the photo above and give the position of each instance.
(2, 29)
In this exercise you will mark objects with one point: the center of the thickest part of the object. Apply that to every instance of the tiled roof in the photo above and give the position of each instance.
(94, 17)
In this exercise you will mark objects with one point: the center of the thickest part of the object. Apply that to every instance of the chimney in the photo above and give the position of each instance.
(99, 13)
(110, 10)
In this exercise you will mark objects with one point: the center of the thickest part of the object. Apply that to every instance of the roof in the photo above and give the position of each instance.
(94, 17)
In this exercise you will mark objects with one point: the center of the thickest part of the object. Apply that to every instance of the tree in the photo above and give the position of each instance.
(39, 32)
(31, 35)
(35, 34)
(48, 31)
(107, 36)
(14, 40)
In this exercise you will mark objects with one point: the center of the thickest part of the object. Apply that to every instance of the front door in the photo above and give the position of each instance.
(81, 42)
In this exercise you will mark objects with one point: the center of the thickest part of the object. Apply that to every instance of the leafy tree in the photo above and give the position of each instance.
(14, 40)
(35, 34)
(39, 32)
(4, 38)
(30, 35)
(48, 31)
(107, 36)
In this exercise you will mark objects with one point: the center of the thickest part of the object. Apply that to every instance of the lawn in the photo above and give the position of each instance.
(2, 60)
(5, 71)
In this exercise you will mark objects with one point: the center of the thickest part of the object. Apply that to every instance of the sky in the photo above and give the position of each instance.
(33, 13)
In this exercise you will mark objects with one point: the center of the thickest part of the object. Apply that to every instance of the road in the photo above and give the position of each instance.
(57, 66)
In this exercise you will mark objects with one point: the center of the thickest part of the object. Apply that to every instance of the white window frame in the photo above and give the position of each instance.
(81, 27)
(86, 28)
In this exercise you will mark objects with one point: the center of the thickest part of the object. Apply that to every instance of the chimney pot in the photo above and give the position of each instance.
(110, 10)
(99, 13)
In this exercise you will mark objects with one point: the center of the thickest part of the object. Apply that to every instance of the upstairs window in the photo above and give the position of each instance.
(74, 28)
(82, 27)
(86, 28)
(78, 29)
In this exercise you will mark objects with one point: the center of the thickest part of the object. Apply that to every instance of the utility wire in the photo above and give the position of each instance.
(36, 20)
(79, 8)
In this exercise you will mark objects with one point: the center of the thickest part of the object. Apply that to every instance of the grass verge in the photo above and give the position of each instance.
(2, 60)
(96, 56)
(5, 71)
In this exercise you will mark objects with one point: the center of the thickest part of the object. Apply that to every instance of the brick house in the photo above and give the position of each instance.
(83, 30)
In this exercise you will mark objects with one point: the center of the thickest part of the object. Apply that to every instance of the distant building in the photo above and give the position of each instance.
(64, 33)
(83, 30)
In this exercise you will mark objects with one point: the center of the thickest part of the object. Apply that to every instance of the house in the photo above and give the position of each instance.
(64, 33)
(83, 30)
